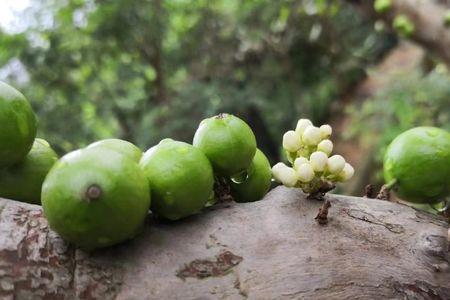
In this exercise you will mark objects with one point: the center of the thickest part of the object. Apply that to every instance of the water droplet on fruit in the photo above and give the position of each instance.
(240, 177)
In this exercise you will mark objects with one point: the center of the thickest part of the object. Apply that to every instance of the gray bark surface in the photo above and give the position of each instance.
(271, 249)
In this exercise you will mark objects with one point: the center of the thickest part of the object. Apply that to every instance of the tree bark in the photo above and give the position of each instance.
(428, 19)
(271, 249)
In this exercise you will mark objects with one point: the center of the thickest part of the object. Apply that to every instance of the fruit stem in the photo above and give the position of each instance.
(222, 190)
(445, 211)
(221, 116)
(391, 184)
(93, 192)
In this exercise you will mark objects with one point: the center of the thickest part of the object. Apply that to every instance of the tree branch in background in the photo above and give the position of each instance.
(428, 19)
(157, 59)
(256, 121)
(150, 47)
(122, 119)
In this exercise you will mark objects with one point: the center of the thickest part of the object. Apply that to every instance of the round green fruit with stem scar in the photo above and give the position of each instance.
(17, 126)
(180, 177)
(96, 198)
(121, 146)
(23, 181)
(228, 142)
(417, 165)
(257, 183)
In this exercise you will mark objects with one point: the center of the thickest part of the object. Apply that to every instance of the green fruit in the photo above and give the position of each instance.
(228, 142)
(23, 181)
(180, 176)
(95, 198)
(124, 147)
(382, 6)
(257, 183)
(403, 25)
(17, 126)
(418, 161)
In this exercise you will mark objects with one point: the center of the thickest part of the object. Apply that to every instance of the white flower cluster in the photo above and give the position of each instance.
(308, 149)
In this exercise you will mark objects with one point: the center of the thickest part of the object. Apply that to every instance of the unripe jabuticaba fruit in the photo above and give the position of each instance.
(96, 198)
(180, 177)
(418, 161)
(17, 126)
(257, 183)
(228, 142)
(121, 146)
(23, 181)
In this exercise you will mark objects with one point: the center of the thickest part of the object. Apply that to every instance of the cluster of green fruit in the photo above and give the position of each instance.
(308, 149)
(24, 159)
(100, 195)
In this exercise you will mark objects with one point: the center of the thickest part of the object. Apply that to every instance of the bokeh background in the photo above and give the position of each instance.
(143, 70)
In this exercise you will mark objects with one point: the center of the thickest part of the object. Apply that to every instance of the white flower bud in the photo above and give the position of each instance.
(346, 173)
(325, 146)
(301, 126)
(288, 177)
(291, 141)
(312, 136)
(335, 164)
(326, 131)
(276, 170)
(318, 161)
(305, 173)
(300, 161)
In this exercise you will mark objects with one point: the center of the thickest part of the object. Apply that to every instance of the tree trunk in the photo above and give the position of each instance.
(271, 249)
(157, 58)
(428, 19)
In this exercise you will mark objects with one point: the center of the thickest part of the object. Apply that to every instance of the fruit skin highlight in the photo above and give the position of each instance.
(180, 177)
(121, 146)
(418, 161)
(17, 126)
(95, 198)
(257, 183)
(23, 181)
(228, 142)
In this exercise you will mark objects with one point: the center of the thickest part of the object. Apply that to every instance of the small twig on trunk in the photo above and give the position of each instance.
(322, 216)
(369, 191)
(385, 191)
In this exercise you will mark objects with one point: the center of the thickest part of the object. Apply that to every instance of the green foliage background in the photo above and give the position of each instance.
(143, 70)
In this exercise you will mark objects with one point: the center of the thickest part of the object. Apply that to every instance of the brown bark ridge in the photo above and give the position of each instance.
(271, 249)
(428, 19)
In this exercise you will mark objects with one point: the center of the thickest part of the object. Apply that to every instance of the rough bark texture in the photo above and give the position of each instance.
(271, 249)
